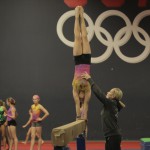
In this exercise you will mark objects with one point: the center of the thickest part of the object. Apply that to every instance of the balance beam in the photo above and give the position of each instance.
(62, 135)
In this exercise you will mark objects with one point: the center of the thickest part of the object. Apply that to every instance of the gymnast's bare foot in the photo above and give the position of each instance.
(42, 142)
(77, 11)
(24, 142)
(81, 11)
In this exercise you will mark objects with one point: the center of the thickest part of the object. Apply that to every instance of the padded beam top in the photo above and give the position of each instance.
(62, 135)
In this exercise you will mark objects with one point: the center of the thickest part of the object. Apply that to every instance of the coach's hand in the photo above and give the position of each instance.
(85, 75)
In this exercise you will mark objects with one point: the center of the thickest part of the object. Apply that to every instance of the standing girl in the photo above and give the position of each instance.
(11, 121)
(3, 112)
(36, 126)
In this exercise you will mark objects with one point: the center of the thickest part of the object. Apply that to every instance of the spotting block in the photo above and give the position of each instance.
(62, 135)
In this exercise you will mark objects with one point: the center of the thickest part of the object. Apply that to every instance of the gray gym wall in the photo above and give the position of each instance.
(33, 60)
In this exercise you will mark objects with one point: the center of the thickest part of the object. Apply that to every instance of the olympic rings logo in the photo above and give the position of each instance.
(120, 39)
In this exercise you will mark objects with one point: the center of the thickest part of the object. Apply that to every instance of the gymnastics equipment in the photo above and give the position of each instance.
(61, 136)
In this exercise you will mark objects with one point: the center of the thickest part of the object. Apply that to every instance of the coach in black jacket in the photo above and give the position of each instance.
(109, 114)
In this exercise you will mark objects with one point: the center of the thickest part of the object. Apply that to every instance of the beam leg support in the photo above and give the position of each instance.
(81, 142)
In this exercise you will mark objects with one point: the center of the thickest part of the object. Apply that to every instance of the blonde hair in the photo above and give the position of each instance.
(118, 93)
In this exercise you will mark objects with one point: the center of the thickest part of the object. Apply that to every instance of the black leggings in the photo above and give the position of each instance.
(113, 142)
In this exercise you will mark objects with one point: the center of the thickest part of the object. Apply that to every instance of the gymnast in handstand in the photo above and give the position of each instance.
(82, 58)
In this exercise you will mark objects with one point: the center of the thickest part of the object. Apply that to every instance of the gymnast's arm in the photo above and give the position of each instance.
(29, 121)
(5, 110)
(46, 113)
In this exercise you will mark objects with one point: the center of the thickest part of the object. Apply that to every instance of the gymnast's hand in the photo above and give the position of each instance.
(85, 75)
(24, 126)
(5, 115)
(39, 119)
(6, 123)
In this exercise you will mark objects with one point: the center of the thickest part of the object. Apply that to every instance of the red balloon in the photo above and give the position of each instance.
(113, 3)
(74, 3)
